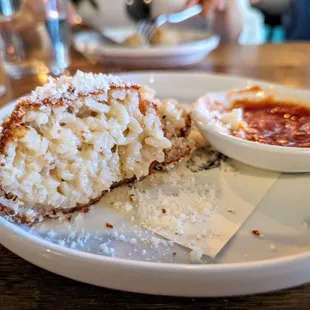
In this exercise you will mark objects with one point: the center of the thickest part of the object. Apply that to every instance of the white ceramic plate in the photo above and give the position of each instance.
(246, 265)
(259, 155)
(193, 48)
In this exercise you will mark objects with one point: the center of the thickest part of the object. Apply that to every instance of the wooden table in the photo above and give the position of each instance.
(24, 286)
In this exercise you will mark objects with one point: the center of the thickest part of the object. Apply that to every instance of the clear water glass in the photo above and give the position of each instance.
(34, 36)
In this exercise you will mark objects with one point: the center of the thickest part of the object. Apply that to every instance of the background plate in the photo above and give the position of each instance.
(193, 49)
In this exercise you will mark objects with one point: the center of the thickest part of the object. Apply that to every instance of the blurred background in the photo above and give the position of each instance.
(36, 35)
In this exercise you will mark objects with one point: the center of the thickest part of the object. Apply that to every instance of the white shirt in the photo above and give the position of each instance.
(252, 32)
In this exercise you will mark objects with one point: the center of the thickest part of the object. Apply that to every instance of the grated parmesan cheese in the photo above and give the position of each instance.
(272, 247)
(195, 255)
(51, 234)
(133, 241)
(156, 242)
(226, 167)
(128, 207)
(61, 242)
(104, 247)
(79, 218)
(69, 87)
(122, 238)
(182, 204)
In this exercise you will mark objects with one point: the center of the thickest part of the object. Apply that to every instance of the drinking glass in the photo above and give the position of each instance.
(34, 36)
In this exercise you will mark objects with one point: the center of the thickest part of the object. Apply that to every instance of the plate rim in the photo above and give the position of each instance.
(48, 246)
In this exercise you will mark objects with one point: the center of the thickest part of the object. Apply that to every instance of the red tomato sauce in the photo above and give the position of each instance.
(276, 123)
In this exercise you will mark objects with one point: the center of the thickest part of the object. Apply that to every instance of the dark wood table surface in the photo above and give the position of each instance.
(25, 286)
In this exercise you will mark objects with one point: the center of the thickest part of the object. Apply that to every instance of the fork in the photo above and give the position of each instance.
(147, 27)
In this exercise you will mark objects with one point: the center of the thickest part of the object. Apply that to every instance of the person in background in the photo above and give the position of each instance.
(294, 16)
(233, 20)
(296, 20)
(273, 14)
